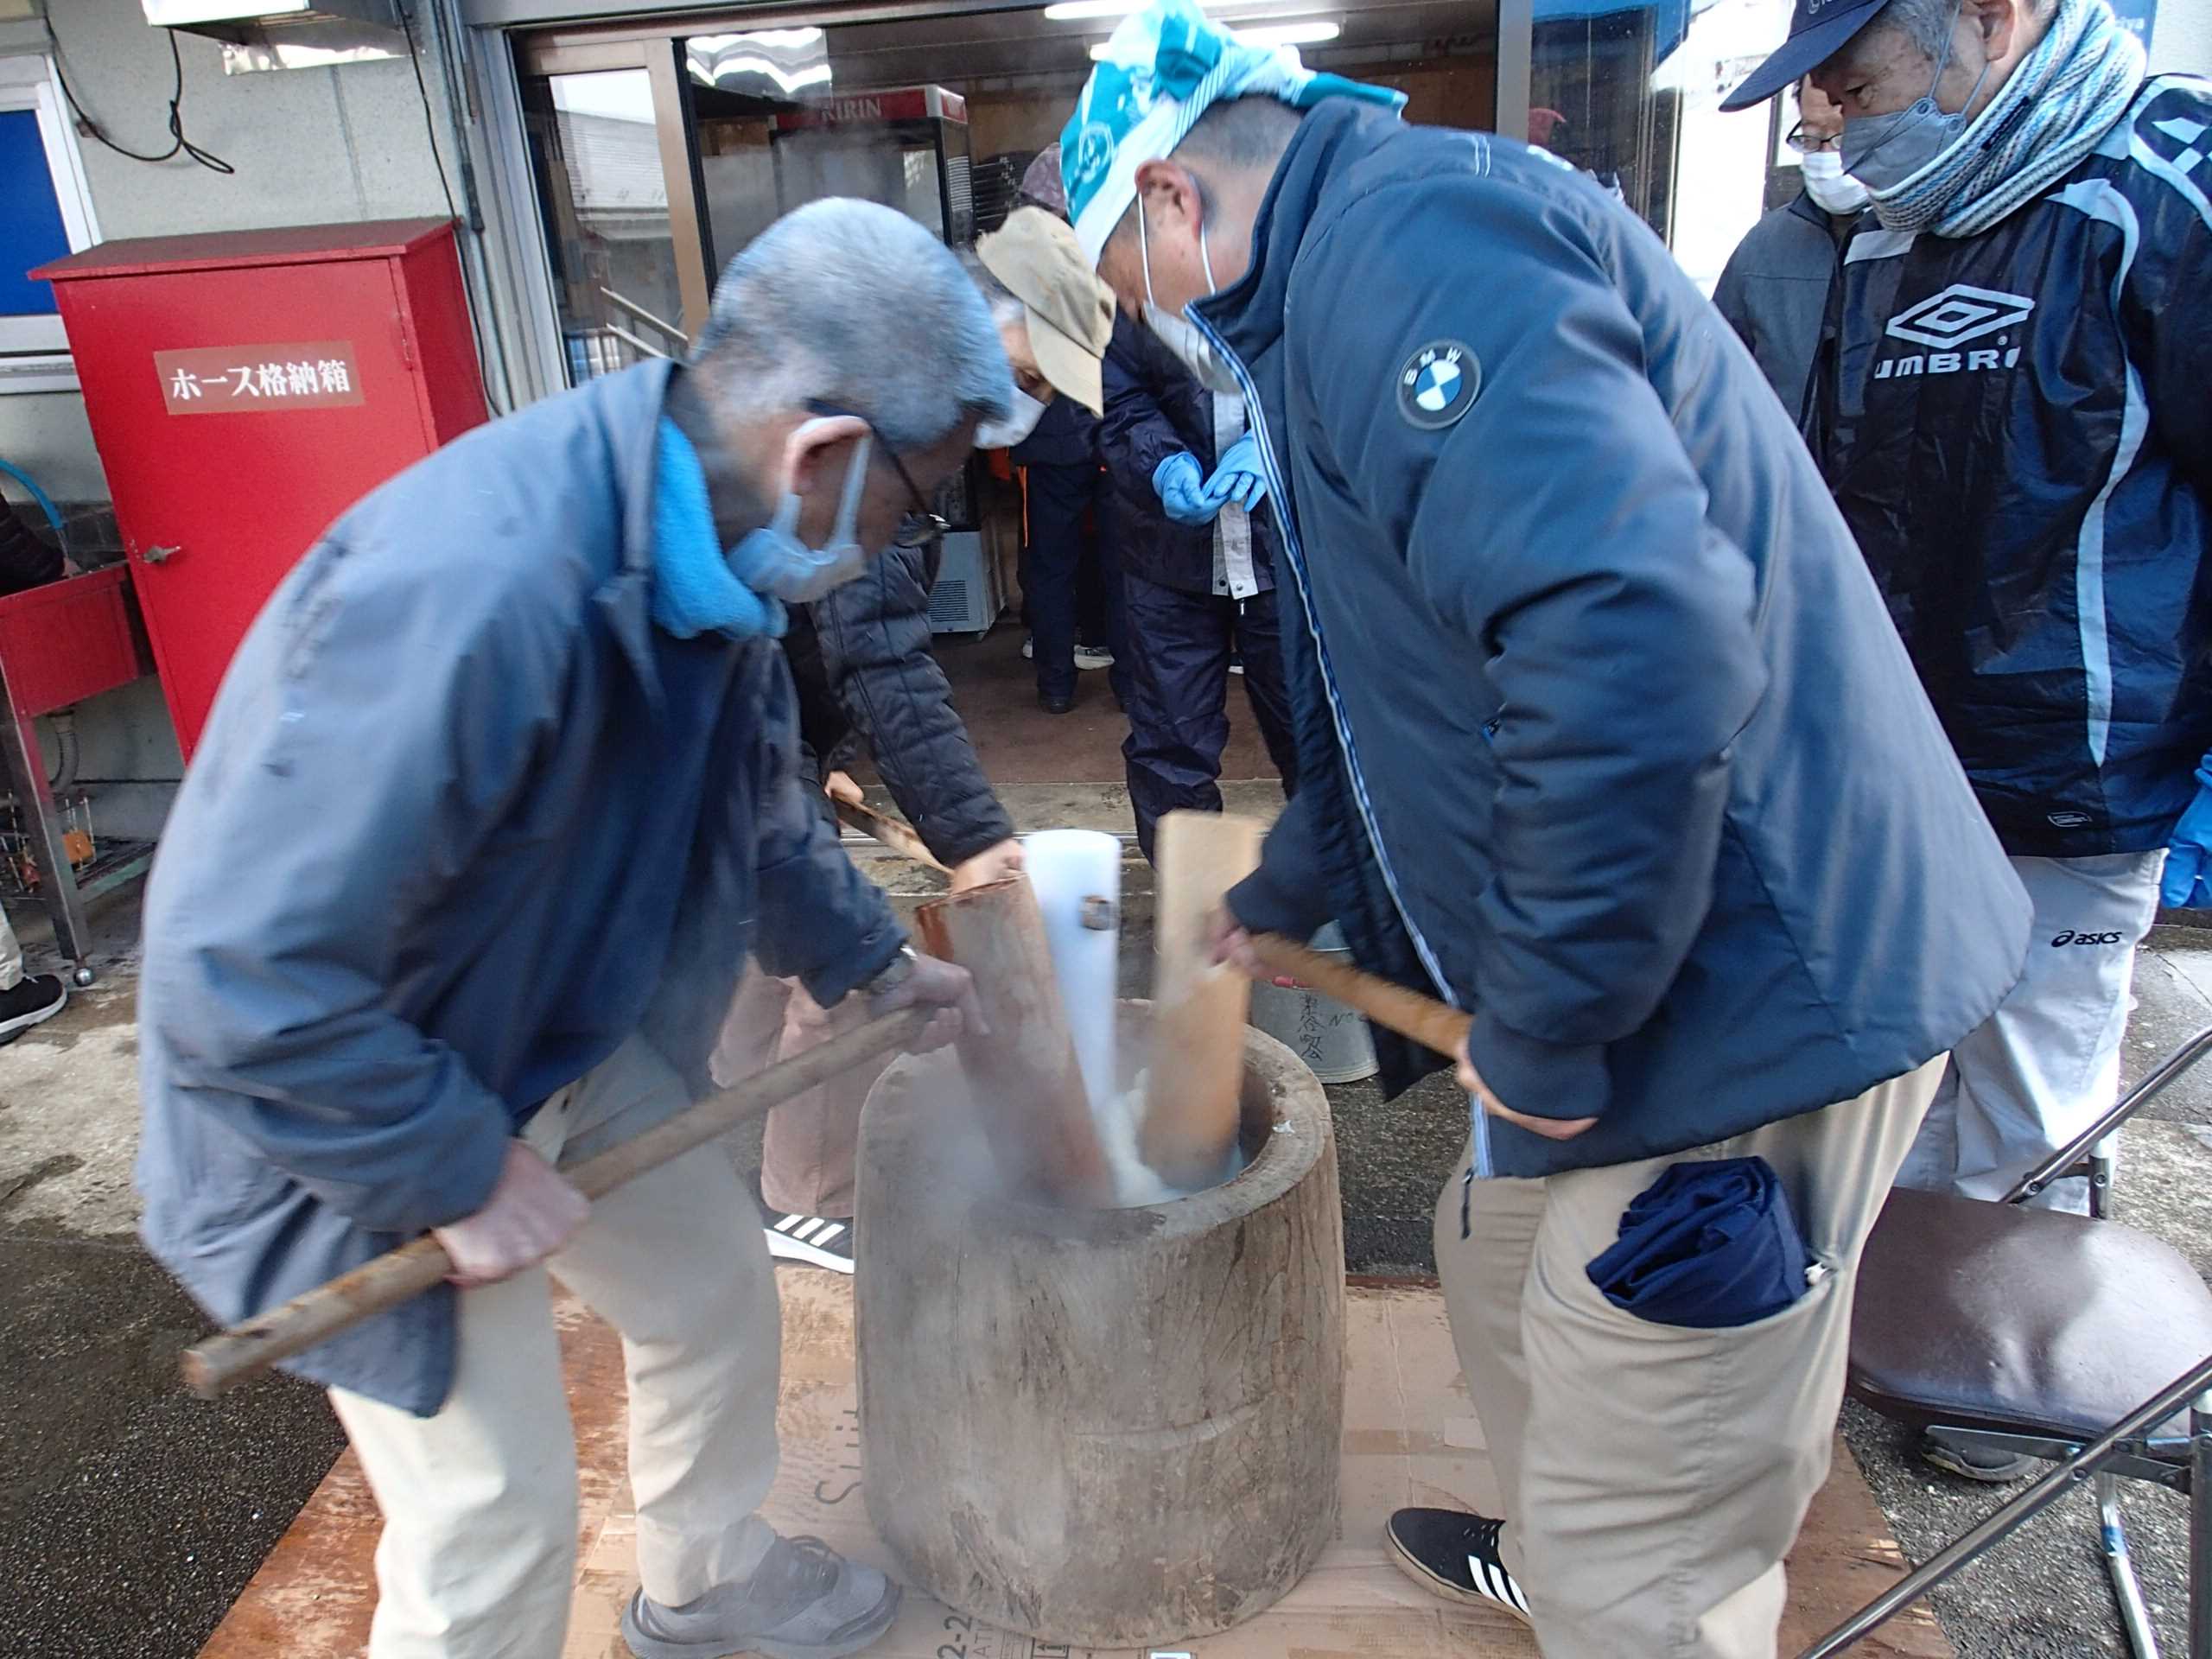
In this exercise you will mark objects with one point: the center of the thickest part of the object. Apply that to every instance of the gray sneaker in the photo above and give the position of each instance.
(1991, 1468)
(803, 1601)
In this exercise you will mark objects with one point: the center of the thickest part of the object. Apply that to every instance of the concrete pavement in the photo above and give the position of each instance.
(129, 1516)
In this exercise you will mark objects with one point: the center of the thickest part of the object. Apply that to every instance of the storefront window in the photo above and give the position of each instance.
(594, 142)
(1630, 92)
(651, 177)
(776, 131)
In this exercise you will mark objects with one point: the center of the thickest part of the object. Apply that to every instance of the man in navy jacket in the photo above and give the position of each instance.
(1198, 592)
(2012, 413)
(1603, 734)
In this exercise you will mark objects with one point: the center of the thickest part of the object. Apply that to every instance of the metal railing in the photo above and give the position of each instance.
(667, 330)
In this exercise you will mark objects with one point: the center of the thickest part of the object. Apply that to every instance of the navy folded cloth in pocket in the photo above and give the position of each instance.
(1709, 1245)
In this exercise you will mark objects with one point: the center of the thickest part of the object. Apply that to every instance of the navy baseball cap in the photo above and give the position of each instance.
(1818, 30)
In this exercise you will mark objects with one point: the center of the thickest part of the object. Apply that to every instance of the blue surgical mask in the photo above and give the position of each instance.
(773, 561)
(1882, 151)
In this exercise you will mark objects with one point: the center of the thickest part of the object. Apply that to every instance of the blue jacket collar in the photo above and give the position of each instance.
(1249, 315)
(629, 406)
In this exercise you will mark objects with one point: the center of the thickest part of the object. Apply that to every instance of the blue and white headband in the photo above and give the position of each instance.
(1165, 67)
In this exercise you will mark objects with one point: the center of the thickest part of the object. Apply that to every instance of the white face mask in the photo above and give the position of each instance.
(773, 561)
(1181, 335)
(1004, 434)
(1833, 190)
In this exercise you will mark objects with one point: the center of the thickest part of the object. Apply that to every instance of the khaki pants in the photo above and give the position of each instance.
(811, 1146)
(477, 1556)
(1655, 1475)
(11, 955)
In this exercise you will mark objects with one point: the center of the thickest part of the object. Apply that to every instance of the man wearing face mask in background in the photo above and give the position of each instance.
(1603, 735)
(1774, 290)
(2012, 413)
(496, 798)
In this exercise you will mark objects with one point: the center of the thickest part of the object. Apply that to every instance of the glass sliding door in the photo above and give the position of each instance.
(1630, 91)
(628, 269)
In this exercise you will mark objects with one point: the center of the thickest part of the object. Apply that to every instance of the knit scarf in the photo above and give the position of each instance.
(2061, 101)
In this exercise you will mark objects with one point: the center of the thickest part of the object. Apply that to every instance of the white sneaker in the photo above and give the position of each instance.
(1093, 656)
(803, 1601)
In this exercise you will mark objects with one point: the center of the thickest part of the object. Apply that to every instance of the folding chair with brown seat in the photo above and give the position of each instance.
(1996, 1327)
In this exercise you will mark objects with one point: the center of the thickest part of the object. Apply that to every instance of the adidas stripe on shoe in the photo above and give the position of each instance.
(819, 1241)
(1455, 1555)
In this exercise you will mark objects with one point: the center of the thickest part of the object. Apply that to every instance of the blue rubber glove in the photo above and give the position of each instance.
(1182, 490)
(1238, 481)
(2188, 859)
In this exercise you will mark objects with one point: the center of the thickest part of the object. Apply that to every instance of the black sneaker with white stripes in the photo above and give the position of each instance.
(1455, 1555)
(30, 1002)
(819, 1241)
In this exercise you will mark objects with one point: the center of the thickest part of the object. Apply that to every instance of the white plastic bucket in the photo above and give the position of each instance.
(1332, 1040)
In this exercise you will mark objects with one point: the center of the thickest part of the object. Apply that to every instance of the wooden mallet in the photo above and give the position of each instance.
(1193, 1091)
(898, 836)
(1027, 1086)
(245, 1350)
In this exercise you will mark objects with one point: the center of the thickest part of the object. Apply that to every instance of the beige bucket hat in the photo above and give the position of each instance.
(1071, 312)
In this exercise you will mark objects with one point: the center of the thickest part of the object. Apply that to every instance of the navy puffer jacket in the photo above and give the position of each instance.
(1603, 731)
(861, 659)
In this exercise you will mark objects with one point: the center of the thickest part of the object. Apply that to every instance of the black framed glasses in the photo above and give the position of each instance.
(1808, 143)
(921, 526)
(918, 526)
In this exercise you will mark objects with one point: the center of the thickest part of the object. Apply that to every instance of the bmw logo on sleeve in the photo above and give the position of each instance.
(1438, 384)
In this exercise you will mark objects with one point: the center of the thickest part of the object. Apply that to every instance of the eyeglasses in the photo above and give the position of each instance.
(1806, 144)
(919, 526)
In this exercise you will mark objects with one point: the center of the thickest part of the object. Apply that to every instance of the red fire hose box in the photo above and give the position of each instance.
(245, 388)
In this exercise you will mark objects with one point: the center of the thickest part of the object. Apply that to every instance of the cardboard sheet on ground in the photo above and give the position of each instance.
(1410, 1438)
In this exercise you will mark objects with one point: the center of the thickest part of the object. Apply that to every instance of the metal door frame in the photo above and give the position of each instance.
(565, 53)
(1516, 59)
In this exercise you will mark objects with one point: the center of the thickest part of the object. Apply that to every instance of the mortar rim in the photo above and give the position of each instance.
(1282, 1161)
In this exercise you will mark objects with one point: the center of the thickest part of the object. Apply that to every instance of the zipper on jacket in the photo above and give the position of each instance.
(1256, 413)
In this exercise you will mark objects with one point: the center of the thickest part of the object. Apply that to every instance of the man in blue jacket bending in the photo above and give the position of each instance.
(500, 794)
(1604, 734)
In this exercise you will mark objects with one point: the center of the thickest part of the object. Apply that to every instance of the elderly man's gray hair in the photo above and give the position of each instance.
(854, 306)
(1929, 24)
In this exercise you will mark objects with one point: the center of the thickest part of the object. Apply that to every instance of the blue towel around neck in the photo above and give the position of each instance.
(693, 591)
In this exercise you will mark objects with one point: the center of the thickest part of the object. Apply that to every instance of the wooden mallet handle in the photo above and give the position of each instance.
(1436, 1025)
(243, 1350)
(902, 838)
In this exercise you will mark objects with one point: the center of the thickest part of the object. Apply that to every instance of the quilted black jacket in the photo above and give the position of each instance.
(861, 659)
